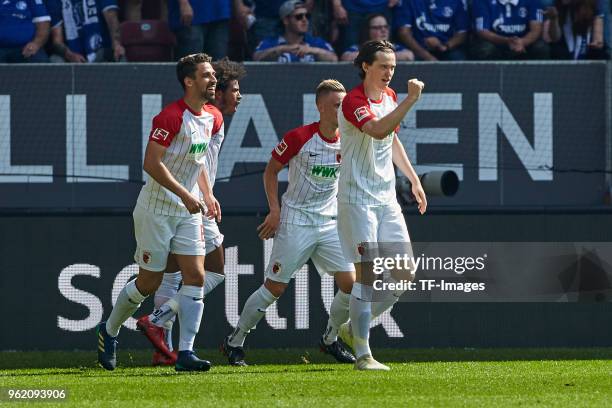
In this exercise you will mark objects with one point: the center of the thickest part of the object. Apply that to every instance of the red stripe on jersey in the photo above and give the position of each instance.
(218, 122)
(356, 107)
(293, 141)
(167, 124)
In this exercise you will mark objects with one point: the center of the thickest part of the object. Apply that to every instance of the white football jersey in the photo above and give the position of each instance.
(368, 175)
(186, 135)
(216, 140)
(314, 164)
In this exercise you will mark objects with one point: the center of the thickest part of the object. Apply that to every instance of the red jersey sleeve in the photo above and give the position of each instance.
(292, 142)
(356, 109)
(218, 121)
(165, 126)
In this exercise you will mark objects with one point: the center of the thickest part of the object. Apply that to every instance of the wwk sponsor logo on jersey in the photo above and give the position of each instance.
(197, 148)
(325, 171)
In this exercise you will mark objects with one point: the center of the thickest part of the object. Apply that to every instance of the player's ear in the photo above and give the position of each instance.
(365, 66)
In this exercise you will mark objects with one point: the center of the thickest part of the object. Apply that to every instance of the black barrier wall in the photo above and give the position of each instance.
(517, 134)
(60, 274)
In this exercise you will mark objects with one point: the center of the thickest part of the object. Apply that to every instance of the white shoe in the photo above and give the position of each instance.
(367, 362)
(345, 334)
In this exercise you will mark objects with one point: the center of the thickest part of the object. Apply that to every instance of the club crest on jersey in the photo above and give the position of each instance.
(361, 248)
(160, 134)
(146, 257)
(276, 268)
(361, 113)
(281, 147)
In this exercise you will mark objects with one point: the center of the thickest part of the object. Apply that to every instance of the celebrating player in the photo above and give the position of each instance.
(167, 217)
(305, 226)
(368, 211)
(158, 325)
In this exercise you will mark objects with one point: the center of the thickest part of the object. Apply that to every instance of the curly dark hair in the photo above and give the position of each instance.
(367, 53)
(226, 71)
(188, 65)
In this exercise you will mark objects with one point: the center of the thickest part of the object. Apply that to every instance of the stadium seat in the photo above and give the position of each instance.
(147, 40)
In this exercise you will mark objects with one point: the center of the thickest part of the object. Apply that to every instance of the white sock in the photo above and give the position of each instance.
(211, 281)
(379, 308)
(254, 309)
(166, 312)
(190, 312)
(338, 314)
(360, 312)
(168, 332)
(166, 291)
(128, 302)
(168, 288)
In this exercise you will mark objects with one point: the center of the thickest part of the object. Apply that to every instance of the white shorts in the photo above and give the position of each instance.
(362, 224)
(158, 235)
(295, 244)
(212, 236)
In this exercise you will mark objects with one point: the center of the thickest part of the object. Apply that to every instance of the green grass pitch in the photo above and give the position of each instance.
(298, 377)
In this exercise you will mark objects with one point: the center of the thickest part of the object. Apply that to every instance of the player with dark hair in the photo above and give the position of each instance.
(368, 211)
(167, 217)
(158, 325)
(305, 226)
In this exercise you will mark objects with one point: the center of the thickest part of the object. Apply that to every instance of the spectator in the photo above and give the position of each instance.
(88, 32)
(24, 30)
(433, 29)
(350, 15)
(509, 29)
(376, 27)
(295, 44)
(137, 10)
(267, 23)
(200, 26)
(574, 29)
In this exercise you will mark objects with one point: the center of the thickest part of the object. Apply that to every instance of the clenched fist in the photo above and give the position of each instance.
(415, 87)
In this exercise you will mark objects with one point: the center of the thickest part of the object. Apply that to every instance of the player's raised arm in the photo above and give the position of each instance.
(268, 228)
(155, 168)
(379, 128)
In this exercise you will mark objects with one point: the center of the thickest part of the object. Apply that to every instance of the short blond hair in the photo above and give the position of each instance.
(327, 86)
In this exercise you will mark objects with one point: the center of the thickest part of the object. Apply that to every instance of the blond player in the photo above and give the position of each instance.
(368, 212)
(304, 227)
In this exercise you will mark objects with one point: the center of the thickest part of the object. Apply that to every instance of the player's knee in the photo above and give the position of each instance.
(193, 276)
(147, 282)
(345, 281)
(276, 288)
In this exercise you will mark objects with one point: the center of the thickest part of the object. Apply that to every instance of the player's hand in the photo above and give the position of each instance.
(192, 203)
(268, 228)
(415, 87)
(421, 199)
(186, 13)
(30, 49)
(213, 208)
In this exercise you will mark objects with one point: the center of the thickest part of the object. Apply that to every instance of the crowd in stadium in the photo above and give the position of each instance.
(301, 31)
